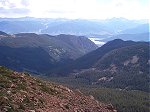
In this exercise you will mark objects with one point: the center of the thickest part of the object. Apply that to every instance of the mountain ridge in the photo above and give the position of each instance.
(117, 64)
(124, 68)
(92, 57)
(57, 51)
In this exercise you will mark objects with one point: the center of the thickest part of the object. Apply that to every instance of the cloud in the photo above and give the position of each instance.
(14, 8)
(14, 12)
(86, 9)
(25, 2)
(6, 3)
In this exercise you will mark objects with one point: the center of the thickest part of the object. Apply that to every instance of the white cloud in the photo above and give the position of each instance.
(13, 8)
(87, 9)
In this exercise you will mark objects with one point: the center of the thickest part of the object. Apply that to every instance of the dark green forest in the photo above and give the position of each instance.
(123, 100)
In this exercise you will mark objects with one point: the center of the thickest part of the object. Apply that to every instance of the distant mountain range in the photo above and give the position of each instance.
(98, 31)
(73, 27)
(144, 28)
(40, 53)
(133, 37)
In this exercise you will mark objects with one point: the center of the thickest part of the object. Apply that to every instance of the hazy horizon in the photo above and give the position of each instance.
(29, 17)
(75, 9)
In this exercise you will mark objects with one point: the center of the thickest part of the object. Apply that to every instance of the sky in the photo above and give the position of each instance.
(75, 9)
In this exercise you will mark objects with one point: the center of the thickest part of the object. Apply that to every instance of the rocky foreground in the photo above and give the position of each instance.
(20, 92)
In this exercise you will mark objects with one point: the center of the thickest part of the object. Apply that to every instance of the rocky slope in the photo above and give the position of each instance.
(20, 92)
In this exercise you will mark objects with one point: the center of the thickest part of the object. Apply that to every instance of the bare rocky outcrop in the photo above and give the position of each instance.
(22, 92)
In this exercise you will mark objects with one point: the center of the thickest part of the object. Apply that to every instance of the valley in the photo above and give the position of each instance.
(105, 61)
